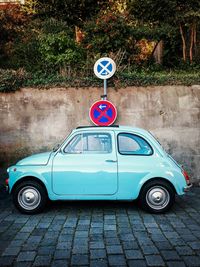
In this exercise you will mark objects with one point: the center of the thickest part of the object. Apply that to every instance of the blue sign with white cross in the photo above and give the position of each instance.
(104, 68)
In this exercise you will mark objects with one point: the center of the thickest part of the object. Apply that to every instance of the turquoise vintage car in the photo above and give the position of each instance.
(99, 163)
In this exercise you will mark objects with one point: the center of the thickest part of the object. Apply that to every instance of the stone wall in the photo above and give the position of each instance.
(33, 120)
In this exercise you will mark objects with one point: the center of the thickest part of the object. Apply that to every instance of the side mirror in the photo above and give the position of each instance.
(56, 147)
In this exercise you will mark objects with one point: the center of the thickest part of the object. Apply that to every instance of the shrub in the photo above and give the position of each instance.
(60, 50)
(26, 52)
(107, 34)
(47, 45)
(11, 80)
(12, 21)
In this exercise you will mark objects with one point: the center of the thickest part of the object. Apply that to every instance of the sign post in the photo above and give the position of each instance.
(103, 112)
(104, 89)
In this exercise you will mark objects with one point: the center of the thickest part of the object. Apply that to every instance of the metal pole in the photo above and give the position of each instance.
(105, 89)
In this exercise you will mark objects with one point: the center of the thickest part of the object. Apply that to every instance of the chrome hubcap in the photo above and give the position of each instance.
(157, 197)
(29, 198)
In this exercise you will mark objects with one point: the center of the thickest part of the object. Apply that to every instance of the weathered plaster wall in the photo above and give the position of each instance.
(33, 120)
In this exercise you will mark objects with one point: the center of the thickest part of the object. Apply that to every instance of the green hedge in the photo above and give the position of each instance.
(11, 80)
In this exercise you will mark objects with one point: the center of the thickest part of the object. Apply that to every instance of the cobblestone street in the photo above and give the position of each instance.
(101, 234)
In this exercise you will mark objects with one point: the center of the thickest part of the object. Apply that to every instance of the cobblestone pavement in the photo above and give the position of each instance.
(101, 234)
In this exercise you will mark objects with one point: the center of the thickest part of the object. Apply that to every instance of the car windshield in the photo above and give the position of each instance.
(58, 145)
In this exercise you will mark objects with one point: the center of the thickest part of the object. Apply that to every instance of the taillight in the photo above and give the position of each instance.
(7, 181)
(187, 178)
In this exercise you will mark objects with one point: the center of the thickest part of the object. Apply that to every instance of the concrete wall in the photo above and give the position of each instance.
(33, 120)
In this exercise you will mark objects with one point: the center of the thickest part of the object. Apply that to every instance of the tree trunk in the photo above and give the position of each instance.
(191, 42)
(195, 39)
(158, 52)
(183, 43)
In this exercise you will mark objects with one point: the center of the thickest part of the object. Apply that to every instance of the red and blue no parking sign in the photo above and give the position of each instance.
(103, 113)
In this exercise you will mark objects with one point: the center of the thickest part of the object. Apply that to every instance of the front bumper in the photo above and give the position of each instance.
(187, 188)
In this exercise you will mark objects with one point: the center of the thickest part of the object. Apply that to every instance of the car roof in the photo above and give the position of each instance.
(113, 128)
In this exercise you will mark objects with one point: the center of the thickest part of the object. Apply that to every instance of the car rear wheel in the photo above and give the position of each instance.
(156, 196)
(29, 197)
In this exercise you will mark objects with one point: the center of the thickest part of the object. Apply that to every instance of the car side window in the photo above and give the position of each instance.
(90, 143)
(130, 144)
(97, 143)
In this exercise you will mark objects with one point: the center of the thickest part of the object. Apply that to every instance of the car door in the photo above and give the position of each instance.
(86, 165)
(136, 159)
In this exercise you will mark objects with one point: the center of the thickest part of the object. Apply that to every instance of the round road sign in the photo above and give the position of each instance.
(103, 113)
(104, 68)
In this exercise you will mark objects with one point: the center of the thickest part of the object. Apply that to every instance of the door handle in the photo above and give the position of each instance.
(110, 160)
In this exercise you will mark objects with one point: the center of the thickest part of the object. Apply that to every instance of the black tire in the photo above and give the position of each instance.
(156, 196)
(29, 197)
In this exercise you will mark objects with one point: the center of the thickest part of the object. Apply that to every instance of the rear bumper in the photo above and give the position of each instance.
(187, 188)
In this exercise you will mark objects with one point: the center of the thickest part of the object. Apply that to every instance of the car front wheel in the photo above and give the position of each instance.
(156, 196)
(29, 197)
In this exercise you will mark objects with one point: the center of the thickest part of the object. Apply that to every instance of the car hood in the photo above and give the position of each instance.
(37, 159)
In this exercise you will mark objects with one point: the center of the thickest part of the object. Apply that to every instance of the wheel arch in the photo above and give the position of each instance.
(158, 179)
(29, 178)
